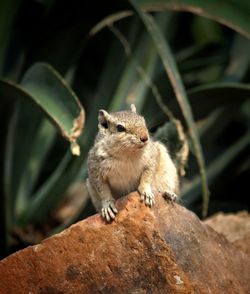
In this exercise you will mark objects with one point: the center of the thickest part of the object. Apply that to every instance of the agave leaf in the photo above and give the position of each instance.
(43, 86)
(129, 75)
(137, 76)
(15, 161)
(189, 52)
(221, 100)
(42, 202)
(206, 31)
(202, 64)
(109, 20)
(214, 169)
(181, 97)
(173, 136)
(220, 103)
(216, 95)
(106, 87)
(239, 60)
(233, 14)
(147, 70)
(213, 124)
(46, 89)
(144, 63)
(39, 147)
(24, 155)
(50, 92)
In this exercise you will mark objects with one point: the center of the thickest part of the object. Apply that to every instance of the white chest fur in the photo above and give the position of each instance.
(124, 175)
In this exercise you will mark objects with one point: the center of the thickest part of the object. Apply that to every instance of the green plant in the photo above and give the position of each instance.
(172, 65)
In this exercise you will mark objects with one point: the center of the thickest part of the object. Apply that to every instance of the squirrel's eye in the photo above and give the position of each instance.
(120, 128)
(105, 125)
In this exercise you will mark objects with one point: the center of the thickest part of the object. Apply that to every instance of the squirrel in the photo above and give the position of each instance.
(123, 159)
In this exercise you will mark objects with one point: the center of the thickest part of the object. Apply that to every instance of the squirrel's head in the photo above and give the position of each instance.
(127, 129)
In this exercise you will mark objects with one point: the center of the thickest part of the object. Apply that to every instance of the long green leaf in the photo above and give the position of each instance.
(221, 103)
(137, 75)
(191, 194)
(40, 144)
(143, 63)
(46, 89)
(128, 78)
(233, 13)
(21, 136)
(239, 60)
(46, 197)
(173, 74)
(51, 93)
(18, 143)
(109, 20)
(216, 95)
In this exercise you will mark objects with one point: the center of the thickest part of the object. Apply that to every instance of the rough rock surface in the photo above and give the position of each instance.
(165, 249)
(234, 226)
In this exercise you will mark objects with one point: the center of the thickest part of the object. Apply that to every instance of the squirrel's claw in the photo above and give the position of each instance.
(148, 197)
(109, 210)
(172, 197)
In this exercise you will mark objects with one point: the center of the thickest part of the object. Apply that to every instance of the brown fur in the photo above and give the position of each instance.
(125, 161)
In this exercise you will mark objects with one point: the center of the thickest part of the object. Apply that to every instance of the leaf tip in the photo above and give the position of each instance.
(75, 148)
(78, 124)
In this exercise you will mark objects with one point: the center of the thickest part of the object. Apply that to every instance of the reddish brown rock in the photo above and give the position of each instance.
(165, 249)
(234, 226)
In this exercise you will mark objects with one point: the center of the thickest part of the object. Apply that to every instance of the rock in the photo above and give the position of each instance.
(234, 226)
(165, 249)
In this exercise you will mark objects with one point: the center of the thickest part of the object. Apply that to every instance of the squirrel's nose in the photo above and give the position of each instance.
(144, 138)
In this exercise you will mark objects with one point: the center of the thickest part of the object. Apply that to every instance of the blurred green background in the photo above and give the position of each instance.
(60, 59)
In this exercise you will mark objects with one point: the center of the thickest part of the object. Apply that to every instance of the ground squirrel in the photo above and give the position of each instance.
(123, 159)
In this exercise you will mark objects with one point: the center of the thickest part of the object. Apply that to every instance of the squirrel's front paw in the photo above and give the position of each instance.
(109, 210)
(147, 196)
(172, 197)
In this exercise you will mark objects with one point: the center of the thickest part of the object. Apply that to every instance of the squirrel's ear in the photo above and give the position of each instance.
(133, 108)
(103, 118)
